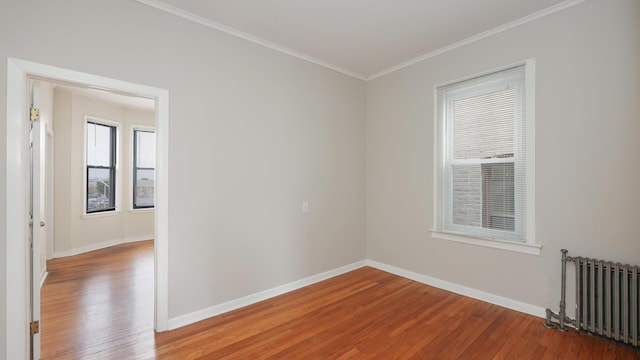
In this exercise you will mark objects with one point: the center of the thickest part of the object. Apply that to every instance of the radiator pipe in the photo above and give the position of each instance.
(562, 315)
(563, 300)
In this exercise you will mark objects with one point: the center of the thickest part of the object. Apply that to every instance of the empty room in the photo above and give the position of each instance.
(332, 179)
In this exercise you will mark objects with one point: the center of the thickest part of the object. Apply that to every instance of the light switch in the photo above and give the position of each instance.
(305, 207)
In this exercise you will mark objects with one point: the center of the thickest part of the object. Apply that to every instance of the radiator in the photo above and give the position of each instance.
(606, 299)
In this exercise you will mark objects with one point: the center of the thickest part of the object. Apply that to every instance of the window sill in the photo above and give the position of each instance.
(531, 249)
(143, 210)
(100, 214)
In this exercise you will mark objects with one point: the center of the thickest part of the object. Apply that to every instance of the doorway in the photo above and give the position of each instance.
(19, 265)
(96, 306)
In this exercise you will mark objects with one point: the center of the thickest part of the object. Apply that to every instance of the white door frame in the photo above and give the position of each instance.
(38, 212)
(17, 190)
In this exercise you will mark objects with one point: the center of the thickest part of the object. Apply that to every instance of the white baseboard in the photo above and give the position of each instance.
(462, 290)
(203, 314)
(43, 277)
(98, 246)
(138, 238)
(86, 248)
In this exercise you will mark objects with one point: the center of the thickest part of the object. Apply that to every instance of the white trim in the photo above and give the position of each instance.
(17, 158)
(101, 245)
(438, 201)
(529, 246)
(240, 34)
(485, 73)
(159, 5)
(141, 210)
(50, 190)
(199, 315)
(131, 239)
(243, 35)
(132, 150)
(17, 168)
(496, 30)
(462, 290)
(141, 127)
(162, 212)
(100, 214)
(516, 246)
(191, 318)
(86, 249)
(43, 278)
(530, 115)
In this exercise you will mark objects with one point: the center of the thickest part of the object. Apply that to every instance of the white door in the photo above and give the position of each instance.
(38, 234)
(50, 221)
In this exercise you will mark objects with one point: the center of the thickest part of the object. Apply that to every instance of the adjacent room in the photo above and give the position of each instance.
(102, 164)
(391, 179)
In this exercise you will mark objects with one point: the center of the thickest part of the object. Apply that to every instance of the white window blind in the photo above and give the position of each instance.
(482, 161)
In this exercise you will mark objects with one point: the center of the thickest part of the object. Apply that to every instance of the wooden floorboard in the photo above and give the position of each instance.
(99, 305)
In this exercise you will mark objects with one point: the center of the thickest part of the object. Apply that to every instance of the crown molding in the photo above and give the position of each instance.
(234, 32)
(157, 4)
(496, 30)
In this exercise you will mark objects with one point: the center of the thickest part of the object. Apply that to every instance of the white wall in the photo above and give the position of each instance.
(253, 133)
(75, 232)
(587, 146)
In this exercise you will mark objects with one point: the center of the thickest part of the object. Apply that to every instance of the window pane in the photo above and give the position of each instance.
(99, 144)
(466, 195)
(146, 149)
(99, 190)
(498, 196)
(483, 126)
(143, 193)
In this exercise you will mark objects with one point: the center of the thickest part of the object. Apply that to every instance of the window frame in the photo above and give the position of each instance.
(113, 166)
(524, 241)
(135, 168)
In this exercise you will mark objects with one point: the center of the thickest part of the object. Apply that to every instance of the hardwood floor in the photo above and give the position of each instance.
(100, 303)
(100, 306)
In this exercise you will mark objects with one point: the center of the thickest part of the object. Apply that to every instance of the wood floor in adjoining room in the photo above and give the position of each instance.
(99, 303)
(100, 306)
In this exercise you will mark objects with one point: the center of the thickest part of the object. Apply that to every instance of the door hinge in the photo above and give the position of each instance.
(34, 327)
(34, 114)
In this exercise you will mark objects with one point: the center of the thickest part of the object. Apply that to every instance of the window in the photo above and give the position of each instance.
(144, 163)
(483, 168)
(101, 167)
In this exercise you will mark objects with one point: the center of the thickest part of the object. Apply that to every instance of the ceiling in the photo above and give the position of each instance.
(362, 38)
